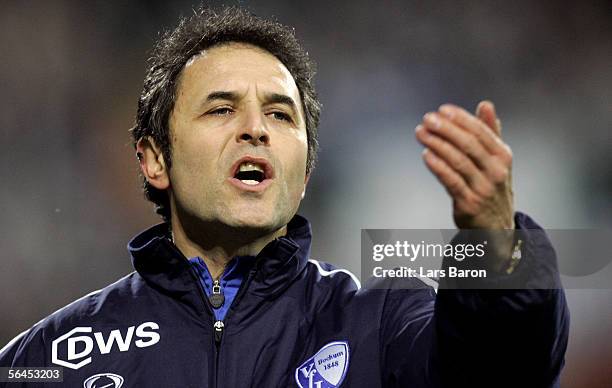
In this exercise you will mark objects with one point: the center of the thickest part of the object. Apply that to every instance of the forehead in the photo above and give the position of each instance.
(236, 67)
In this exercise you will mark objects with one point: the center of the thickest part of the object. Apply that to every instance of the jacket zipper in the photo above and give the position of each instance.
(219, 325)
(196, 279)
(216, 343)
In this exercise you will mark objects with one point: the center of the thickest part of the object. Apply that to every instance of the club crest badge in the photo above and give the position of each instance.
(326, 369)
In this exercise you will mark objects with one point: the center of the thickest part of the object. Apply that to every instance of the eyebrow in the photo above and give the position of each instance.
(275, 98)
(270, 98)
(230, 96)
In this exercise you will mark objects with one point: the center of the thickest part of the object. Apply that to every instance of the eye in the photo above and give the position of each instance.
(221, 111)
(281, 116)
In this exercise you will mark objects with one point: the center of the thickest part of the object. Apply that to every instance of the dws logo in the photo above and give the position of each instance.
(147, 332)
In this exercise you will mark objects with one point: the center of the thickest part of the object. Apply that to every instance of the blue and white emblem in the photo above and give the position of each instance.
(326, 369)
(103, 380)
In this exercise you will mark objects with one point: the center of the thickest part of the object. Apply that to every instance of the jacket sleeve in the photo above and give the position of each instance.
(478, 338)
(26, 350)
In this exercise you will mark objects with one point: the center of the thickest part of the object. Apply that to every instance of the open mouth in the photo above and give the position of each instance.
(251, 171)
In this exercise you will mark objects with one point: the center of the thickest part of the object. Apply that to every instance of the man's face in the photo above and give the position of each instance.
(238, 140)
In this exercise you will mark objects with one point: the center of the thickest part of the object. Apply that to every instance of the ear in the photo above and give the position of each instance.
(152, 163)
(305, 184)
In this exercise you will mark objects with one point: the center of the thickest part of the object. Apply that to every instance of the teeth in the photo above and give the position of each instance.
(247, 166)
(249, 182)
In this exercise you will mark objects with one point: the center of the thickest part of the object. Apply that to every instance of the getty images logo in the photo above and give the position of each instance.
(146, 332)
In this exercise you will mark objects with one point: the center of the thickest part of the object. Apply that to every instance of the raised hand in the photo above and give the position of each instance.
(467, 155)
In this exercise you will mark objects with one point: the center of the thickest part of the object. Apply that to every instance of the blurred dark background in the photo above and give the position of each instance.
(71, 73)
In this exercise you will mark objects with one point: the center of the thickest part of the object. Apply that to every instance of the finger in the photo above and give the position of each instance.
(474, 125)
(456, 160)
(463, 140)
(450, 179)
(485, 111)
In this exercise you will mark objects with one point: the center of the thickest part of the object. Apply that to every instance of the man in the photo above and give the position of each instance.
(225, 294)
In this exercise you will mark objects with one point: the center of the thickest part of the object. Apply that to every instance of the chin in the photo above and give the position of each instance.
(255, 219)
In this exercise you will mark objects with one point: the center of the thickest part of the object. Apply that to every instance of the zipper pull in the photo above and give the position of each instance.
(218, 325)
(216, 298)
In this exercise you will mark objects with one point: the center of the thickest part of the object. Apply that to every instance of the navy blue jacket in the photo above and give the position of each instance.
(297, 322)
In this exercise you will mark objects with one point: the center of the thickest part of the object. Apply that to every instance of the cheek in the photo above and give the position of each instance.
(193, 164)
(298, 172)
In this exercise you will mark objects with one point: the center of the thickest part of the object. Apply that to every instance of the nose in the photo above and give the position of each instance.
(253, 130)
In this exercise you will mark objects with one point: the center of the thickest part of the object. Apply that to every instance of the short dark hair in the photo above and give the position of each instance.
(204, 29)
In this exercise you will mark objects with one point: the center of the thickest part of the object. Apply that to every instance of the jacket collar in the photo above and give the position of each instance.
(164, 267)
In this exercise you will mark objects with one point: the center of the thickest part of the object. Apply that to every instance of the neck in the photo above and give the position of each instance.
(218, 243)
